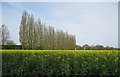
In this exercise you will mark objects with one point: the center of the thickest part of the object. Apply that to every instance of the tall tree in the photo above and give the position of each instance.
(40, 33)
(4, 34)
(22, 32)
(50, 38)
(53, 38)
(35, 37)
(45, 38)
(27, 31)
(31, 29)
(34, 34)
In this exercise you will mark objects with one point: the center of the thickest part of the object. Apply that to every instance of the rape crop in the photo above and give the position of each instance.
(60, 62)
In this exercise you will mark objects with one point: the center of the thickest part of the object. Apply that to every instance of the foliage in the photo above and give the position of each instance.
(11, 46)
(97, 47)
(9, 42)
(4, 34)
(35, 34)
(60, 62)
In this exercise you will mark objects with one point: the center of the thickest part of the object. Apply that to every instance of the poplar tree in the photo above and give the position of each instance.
(27, 31)
(40, 33)
(31, 28)
(22, 32)
(45, 37)
(53, 38)
(34, 34)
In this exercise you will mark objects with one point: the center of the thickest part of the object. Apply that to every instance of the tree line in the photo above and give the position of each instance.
(96, 47)
(9, 44)
(35, 35)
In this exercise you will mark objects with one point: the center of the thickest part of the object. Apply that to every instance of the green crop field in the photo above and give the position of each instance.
(60, 62)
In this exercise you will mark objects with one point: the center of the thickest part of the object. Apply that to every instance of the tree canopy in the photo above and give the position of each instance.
(35, 35)
(4, 34)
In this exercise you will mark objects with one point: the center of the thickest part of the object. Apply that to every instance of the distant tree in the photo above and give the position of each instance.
(99, 47)
(110, 48)
(86, 47)
(93, 47)
(78, 47)
(4, 34)
(9, 42)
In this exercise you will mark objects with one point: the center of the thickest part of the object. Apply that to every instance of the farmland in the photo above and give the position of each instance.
(60, 62)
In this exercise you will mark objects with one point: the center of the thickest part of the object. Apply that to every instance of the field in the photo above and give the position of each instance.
(60, 62)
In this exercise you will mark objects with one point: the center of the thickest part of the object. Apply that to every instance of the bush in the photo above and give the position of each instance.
(11, 47)
(39, 48)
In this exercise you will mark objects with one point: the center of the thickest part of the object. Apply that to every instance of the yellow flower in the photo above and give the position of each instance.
(103, 65)
(96, 59)
(63, 60)
(58, 57)
(34, 55)
(68, 58)
(105, 58)
(89, 58)
(66, 54)
(83, 58)
(116, 59)
(85, 62)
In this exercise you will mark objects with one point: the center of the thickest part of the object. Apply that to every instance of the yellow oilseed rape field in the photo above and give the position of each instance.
(60, 62)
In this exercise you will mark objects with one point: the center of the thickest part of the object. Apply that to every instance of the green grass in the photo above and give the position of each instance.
(60, 62)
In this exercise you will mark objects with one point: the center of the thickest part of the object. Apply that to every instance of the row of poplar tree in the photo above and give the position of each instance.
(35, 35)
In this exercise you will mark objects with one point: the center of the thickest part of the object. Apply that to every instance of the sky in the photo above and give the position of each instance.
(91, 22)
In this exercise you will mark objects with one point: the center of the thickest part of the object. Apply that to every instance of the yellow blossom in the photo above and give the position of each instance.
(68, 58)
(103, 65)
(85, 62)
(63, 60)
(96, 59)
(105, 58)
(34, 55)
(89, 58)
(83, 58)
(116, 59)
(58, 57)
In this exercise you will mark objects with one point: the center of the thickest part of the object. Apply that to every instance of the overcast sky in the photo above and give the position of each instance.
(92, 22)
